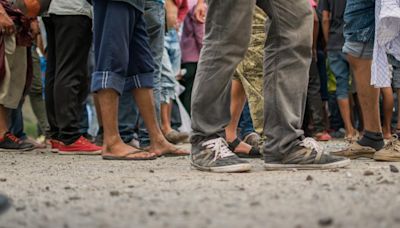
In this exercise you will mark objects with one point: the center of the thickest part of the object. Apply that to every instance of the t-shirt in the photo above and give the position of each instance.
(336, 9)
(70, 7)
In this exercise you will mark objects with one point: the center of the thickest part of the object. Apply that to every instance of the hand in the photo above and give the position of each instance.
(6, 24)
(200, 12)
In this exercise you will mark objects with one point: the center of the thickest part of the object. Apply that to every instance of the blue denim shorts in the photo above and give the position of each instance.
(396, 71)
(358, 49)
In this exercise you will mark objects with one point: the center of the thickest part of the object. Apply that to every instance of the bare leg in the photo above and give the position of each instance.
(166, 117)
(113, 144)
(238, 100)
(158, 145)
(344, 107)
(388, 103)
(368, 95)
(3, 120)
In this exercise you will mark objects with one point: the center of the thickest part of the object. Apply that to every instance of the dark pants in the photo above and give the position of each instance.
(69, 39)
(187, 82)
(314, 100)
(246, 123)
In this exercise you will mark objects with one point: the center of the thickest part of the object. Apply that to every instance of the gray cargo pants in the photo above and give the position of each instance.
(286, 68)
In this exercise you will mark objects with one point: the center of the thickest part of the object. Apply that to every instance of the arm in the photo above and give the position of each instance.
(326, 24)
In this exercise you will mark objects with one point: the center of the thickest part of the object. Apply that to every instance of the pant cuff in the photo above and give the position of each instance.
(145, 80)
(107, 80)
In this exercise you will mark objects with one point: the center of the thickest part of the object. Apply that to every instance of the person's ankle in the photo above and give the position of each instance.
(372, 139)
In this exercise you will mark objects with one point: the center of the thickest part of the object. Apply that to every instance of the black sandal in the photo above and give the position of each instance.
(253, 153)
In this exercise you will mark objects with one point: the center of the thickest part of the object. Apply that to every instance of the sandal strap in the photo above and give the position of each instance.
(235, 143)
(254, 152)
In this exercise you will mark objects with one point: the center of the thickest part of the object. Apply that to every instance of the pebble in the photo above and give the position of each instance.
(368, 173)
(151, 171)
(393, 169)
(114, 193)
(325, 221)
(309, 178)
(3, 179)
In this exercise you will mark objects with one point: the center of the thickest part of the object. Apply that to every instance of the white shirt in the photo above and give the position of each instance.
(387, 41)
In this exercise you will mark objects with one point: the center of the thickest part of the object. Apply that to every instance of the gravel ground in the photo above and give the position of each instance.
(50, 190)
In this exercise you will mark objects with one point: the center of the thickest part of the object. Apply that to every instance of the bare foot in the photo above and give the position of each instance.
(163, 147)
(122, 151)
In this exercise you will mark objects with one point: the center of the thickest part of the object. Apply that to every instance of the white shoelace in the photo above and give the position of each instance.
(394, 143)
(310, 143)
(219, 147)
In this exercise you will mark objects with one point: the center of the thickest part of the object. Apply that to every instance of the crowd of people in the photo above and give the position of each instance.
(133, 79)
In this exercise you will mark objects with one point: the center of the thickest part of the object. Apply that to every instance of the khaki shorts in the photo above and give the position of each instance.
(13, 85)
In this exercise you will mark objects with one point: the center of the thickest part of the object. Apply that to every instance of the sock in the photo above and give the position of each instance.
(372, 139)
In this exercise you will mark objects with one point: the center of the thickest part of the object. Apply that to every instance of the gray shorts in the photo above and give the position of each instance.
(358, 49)
(396, 71)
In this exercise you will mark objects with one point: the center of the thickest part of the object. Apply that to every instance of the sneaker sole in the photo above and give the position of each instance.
(334, 165)
(355, 156)
(79, 152)
(17, 150)
(238, 168)
(384, 158)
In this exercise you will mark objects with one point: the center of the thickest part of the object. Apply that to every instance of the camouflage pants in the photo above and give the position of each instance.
(250, 71)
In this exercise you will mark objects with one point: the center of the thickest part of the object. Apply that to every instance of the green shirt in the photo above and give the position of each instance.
(138, 4)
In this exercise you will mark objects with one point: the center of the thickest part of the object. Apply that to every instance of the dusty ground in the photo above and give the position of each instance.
(50, 190)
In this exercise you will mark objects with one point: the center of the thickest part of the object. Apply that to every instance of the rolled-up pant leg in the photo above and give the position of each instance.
(286, 68)
(228, 30)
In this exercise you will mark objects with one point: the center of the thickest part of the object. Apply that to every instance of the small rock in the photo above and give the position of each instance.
(185, 212)
(386, 181)
(368, 173)
(74, 198)
(20, 208)
(351, 188)
(47, 188)
(325, 221)
(114, 193)
(241, 188)
(393, 169)
(3, 179)
(255, 204)
(348, 174)
(131, 186)
(67, 187)
(152, 213)
(151, 171)
(309, 178)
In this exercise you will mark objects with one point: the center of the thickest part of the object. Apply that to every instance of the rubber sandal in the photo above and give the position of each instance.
(127, 158)
(253, 153)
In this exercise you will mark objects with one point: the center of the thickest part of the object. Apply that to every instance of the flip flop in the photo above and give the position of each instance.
(127, 158)
(173, 153)
(253, 153)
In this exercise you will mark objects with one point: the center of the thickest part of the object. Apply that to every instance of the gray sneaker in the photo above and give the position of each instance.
(215, 156)
(311, 155)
